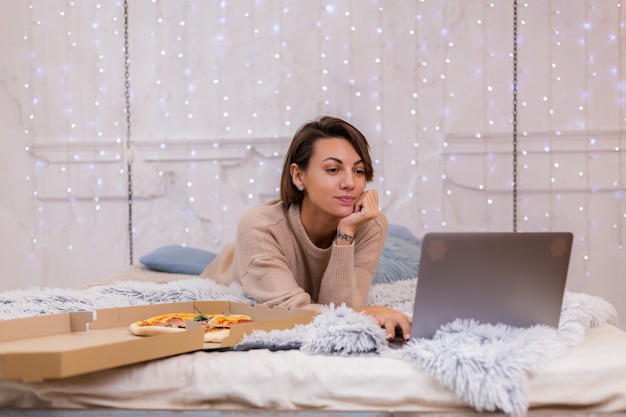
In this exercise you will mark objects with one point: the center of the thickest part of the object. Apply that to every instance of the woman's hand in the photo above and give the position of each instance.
(365, 208)
(389, 319)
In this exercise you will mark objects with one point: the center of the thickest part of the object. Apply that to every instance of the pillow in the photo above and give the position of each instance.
(396, 230)
(399, 260)
(178, 259)
(400, 257)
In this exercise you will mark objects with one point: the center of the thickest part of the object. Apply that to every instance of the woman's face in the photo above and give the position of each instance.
(335, 177)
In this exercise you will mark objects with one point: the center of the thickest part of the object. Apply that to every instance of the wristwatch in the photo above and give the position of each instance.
(347, 238)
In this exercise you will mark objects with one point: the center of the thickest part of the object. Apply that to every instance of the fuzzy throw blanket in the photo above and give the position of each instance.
(487, 366)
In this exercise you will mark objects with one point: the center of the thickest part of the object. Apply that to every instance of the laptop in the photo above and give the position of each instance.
(517, 279)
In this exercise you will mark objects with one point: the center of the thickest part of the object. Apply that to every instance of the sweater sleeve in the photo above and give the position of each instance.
(351, 268)
(264, 268)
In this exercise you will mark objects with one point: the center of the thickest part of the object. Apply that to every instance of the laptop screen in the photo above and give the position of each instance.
(511, 278)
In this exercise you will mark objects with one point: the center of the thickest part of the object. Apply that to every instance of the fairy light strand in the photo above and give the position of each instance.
(426, 206)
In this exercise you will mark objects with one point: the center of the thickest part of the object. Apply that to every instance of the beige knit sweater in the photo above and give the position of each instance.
(278, 265)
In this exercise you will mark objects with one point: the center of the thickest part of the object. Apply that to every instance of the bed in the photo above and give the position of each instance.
(341, 362)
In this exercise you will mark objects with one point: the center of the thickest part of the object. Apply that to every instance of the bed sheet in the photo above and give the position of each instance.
(590, 377)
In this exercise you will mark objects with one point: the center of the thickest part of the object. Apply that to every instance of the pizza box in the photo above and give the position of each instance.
(264, 318)
(56, 346)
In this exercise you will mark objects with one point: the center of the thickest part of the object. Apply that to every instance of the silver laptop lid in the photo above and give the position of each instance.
(516, 279)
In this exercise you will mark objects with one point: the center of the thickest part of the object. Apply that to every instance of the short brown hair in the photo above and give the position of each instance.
(301, 149)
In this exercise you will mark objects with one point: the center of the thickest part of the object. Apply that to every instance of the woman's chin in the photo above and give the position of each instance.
(344, 212)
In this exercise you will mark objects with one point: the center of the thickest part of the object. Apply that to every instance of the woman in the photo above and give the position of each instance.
(321, 242)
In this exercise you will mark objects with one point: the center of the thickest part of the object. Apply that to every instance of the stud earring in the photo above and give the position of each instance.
(300, 187)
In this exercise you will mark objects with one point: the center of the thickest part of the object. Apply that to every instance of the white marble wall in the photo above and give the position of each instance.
(218, 88)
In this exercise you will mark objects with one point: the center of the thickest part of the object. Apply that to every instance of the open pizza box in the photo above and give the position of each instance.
(61, 345)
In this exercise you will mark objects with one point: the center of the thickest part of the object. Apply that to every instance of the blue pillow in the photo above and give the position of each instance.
(399, 260)
(178, 259)
(396, 230)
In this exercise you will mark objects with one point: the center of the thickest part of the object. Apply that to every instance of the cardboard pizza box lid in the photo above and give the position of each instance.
(68, 344)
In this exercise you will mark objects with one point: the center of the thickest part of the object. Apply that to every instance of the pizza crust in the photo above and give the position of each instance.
(138, 330)
(216, 336)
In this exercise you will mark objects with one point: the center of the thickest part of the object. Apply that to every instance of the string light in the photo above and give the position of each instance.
(213, 104)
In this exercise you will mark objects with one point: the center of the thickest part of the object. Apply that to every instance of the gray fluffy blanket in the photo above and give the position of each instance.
(487, 366)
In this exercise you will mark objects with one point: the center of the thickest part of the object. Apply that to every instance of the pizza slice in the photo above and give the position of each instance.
(226, 320)
(164, 323)
(216, 326)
